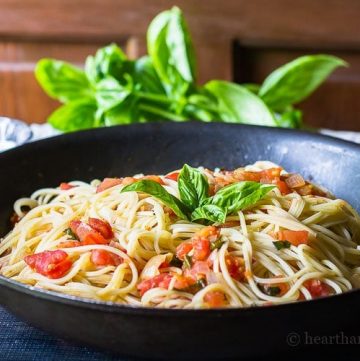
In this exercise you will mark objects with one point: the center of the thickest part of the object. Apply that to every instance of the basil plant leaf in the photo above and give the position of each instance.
(193, 187)
(73, 116)
(159, 192)
(145, 75)
(236, 104)
(239, 195)
(62, 81)
(110, 93)
(209, 212)
(108, 61)
(294, 81)
(290, 118)
(124, 113)
(171, 50)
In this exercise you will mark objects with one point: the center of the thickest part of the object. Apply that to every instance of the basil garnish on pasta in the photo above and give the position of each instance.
(195, 203)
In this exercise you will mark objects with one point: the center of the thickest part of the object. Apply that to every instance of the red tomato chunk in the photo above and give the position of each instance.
(52, 264)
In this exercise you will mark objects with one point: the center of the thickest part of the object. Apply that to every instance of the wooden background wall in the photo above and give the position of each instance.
(241, 40)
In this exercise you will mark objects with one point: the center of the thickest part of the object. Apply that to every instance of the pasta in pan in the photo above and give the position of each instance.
(194, 238)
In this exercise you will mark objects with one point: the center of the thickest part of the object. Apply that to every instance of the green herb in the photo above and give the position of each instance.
(195, 203)
(217, 244)
(187, 261)
(162, 86)
(71, 234)
(193, 187)
(159, 192)
(236, 104)
(273, 290)
(296, 80)
(282, 244)
(209, 212)
(239, 195)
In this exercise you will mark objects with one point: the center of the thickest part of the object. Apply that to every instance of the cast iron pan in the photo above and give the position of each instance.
(158, 148)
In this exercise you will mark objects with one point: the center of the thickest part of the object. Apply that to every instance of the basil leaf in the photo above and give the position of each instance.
(296, 80)
(171, 50)
(108, 61)
(71, 234)
(124, 113)
(157, 191)
(193, 187)
(62, 81)
(73, 116)
(291, 118)
(110, 93)
(239, 195)
(236, 104)
(209, 212)
(187, 261)
(281, 244)
(146, 76)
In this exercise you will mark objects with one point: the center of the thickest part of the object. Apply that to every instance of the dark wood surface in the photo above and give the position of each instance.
(240, 40)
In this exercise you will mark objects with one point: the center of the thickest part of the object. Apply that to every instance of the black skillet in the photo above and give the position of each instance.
(159, 148)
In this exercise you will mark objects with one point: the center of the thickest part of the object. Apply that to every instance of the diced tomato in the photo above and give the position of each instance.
(69, 244)
(294, 237)
(66, 186)
(162, 280)
(128, 180)
(52, 264)
(199, 269)
(182, 282)
(284, 189)
(243, 175)
(201, 248)
(317, 288)
(108, 183)
(74, 225)
(183, 249)
(270, 175)
(88, 235)
(215, 299)
(100, 257)
(173, 176)
(211, 232)
(102, 227)
(235, 266)
(305, 190)
(154, 178)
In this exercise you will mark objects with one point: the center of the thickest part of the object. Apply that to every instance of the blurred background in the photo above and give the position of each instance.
(239, 40)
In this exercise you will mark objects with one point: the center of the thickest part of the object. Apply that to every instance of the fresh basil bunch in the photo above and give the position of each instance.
(162, 86)
(195, 203)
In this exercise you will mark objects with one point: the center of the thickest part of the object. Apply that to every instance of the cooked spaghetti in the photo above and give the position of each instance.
(286, 242)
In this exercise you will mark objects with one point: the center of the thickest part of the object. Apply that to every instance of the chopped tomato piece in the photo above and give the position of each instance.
(215, 299)
(270, 175)
(235, 266)
(69, 244)
(108, 183)
(201, 248)
(74, 225)
(284, 189)
(88, 235)
(199, 269)
(128, 180)
(305, 190)
(52, 264)
(210, 232)
(162, 280)
(317, 288)
(100, 257)
(295, 181)
(183, 249)
(294, 237)
(66, 186)
(173, 176)
(243, 175)
(182, 282)
(102, 227)
(154, 178)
